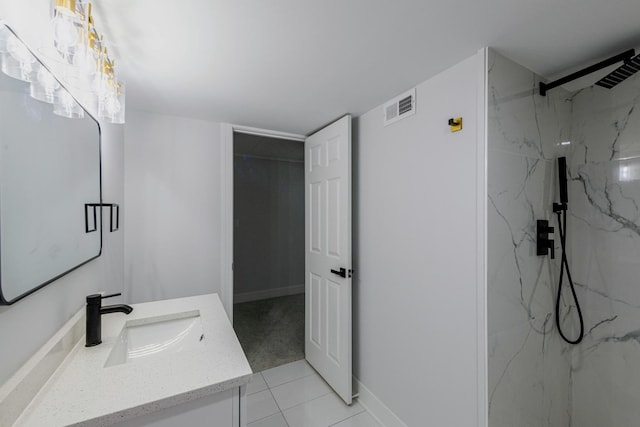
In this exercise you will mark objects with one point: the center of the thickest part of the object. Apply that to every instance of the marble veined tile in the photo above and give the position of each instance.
(521, 121)
(520, 285)
(535, 379)
(604, 238)
(529, 366)
(606, 123)
(606, 386)
(529, 384)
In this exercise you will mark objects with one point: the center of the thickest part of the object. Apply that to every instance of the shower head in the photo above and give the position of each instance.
(620, 74)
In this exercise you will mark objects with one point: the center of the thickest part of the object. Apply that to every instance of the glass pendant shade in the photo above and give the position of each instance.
(66, 106)
(85, 60)
(111, 102)
(4, 36)
(65, 27)
(17, 61)
(86, 56)
(44, 85)
(81, 73)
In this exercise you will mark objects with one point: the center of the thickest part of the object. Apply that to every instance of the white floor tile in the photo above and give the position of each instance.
(276, 420)
(260, 405)
(256, 384)
(321, 412)
(363, 419)
(285, 373)
(299, 391)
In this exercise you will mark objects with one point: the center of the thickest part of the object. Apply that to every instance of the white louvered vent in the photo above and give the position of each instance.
(400, 107)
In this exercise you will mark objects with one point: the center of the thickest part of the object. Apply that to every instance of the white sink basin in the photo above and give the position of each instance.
(160, 336)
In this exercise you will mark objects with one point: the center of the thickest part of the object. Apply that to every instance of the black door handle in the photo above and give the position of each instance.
(342, 272)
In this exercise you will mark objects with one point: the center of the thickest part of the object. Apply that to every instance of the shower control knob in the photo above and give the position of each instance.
(544, 245)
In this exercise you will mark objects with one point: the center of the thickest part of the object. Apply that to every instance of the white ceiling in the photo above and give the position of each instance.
(294, 65)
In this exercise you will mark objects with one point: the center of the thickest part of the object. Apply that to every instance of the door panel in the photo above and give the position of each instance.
(333, 223)
(328, 341)
(333, 321)
(315, 213)
(314, 310)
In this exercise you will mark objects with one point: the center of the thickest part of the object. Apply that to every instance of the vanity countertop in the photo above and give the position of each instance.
(82, 391)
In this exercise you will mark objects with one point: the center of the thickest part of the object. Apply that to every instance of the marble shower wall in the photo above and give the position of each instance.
(529, 366)
(534, 378)
(604, 236)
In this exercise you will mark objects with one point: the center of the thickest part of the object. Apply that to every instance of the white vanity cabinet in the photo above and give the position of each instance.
(225, 409)
(168, 363)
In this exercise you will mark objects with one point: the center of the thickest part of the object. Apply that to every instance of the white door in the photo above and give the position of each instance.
(328, 254)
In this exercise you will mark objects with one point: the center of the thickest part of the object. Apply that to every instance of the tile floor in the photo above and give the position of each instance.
(294, 395)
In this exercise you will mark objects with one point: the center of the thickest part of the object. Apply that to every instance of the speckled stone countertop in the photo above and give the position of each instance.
(82, 391)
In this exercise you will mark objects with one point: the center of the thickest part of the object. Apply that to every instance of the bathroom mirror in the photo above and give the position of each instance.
(49, 170)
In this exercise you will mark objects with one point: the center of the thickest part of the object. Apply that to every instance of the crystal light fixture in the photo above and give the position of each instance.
(64, 26)
(17, 60)
(109, 91)
(66, 106)
(72, 40)
(44, 86)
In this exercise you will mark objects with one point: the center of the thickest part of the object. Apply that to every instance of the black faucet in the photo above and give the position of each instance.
(95, 310)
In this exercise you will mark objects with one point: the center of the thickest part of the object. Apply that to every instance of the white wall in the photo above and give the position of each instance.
(28, 324)
(172, 207)
(416, 201)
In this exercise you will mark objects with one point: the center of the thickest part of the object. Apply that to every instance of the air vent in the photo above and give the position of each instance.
(400, 107)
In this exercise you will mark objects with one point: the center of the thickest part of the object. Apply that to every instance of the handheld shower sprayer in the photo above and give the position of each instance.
(562, 180)
(560, 209)
(545, 246)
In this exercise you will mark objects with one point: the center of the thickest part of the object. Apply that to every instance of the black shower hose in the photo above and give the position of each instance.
(563, 263)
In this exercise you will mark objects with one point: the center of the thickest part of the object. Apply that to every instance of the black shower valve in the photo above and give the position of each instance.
(544, 245)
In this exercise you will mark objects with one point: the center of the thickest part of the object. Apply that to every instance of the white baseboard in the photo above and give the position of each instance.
(268, 293)
(376, 408)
